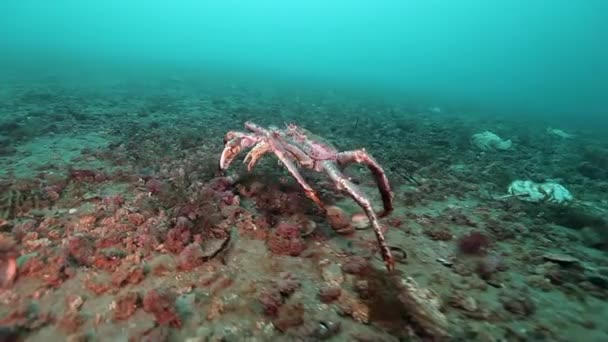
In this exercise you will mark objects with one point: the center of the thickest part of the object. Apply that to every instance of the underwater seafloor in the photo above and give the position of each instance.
(122, 228)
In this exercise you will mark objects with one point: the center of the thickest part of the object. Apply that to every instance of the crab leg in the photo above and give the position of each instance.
(256, 129)
(344, 184)
(300, 156)
(256, 153)
(362, 157)
(234, 143)
(281, 153)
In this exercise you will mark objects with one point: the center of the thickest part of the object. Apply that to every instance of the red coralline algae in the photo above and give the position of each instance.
(290, 315)
(229, 198)
(287, 284)
(230, 212)
(287, 230)
(86, 176)
(31, 267)
(22, 229)
(162, 265)
(305, 225)
(136, 219)
(70, 321)
(190, 257)
(144, 243)
(183, 223)
(81, 249)
(252, 190)
(107, 260)
(161, 304)
(188, 211)
(97, 284)
(112, 203)
(127, 274)
(177, 239)
(271, 300)
(328, 294)
(286, 240)
(53, 192)
(275, 201)
(285, 246)
(220, 184)
(126, 305)
(474, 243)
(81, 175)
(154, 186)
(355, 265)
(261, 222)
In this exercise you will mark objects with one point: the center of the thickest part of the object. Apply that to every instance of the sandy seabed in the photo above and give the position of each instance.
(121, 227)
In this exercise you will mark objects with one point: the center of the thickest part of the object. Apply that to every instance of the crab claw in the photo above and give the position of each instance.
(234, 144)
(256, 153)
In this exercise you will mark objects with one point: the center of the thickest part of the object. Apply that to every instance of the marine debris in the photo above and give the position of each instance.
(559, 133)
(488, 141)
(530, 191)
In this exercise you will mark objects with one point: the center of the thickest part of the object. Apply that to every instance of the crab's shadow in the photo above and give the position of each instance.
(386, 311)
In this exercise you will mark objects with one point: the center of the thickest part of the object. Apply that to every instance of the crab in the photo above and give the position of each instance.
(296, 147)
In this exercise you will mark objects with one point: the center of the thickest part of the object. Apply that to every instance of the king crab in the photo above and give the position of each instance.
(295, 147)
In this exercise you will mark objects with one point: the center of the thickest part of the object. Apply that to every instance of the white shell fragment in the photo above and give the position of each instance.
(559, 133)
(488, 141)
(540, 192)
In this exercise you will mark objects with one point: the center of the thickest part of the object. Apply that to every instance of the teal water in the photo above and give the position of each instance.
(546, 58)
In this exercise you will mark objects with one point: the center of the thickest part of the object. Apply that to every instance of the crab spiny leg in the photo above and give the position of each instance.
(234, 143)
(362, 157)
(256, 129)
(281, 153)
(256, 153)
(304, 160)
(346, 185)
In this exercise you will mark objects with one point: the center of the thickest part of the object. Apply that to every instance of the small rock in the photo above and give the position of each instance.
(360, 221)
(326, 329)
(332, 274)
(562, 259)
(328, 293)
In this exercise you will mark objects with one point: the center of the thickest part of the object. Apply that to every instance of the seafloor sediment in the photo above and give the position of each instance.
(122, 228)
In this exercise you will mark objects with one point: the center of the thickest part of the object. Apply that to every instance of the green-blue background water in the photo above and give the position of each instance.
(516, 57)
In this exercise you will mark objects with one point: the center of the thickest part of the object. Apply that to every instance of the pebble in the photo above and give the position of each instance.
(332, 274)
